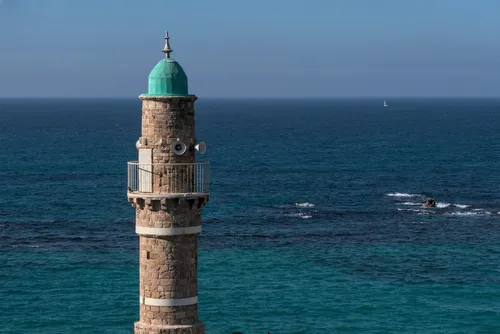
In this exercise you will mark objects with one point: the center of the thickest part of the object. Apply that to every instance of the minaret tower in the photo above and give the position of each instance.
(168, 189)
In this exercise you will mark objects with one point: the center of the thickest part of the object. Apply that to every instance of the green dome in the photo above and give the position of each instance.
(167, 78)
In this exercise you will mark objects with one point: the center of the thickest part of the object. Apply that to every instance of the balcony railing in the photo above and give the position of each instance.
(168, 179)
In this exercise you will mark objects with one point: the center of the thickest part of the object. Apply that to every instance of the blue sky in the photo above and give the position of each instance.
(240, 48)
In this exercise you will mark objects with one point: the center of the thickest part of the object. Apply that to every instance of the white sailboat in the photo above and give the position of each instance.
(385, 103)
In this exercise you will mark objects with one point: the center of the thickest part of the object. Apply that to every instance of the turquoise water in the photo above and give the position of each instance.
(314, 222)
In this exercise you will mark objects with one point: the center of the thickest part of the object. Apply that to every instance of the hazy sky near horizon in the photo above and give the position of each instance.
(239, 48)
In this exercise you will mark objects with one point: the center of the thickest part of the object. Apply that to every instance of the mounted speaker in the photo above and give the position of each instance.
(140, 142)
(201, 147)
(179, 147)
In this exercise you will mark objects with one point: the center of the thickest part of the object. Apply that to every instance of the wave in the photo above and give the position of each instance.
(439, 205)
(304, 205)
(409, 203)
(418, 211)
(469, 213)
(402, 195)
(302, 215)
(26, 246)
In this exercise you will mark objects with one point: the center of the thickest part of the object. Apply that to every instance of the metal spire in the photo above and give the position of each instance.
(167, 50)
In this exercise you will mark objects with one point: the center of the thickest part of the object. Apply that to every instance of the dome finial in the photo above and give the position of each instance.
(167, 50)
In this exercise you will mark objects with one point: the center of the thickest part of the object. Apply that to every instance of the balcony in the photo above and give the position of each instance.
(168, 180)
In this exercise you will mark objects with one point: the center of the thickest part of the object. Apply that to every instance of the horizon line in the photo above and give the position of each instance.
(259, 97)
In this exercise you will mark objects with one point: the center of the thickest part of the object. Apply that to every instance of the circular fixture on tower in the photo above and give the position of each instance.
(178, 147)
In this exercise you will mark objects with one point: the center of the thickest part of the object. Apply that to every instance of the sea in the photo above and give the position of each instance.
(315, 222)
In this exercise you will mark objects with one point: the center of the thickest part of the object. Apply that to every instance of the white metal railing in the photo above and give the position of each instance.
(178, 178)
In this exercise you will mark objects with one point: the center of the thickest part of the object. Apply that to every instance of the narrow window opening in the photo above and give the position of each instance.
(147, 255)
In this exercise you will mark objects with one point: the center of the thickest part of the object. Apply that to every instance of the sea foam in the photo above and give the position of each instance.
(304, 205)
(302, 215)
(402, 195)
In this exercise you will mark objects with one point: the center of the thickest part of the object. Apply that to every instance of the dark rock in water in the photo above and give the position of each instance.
(430, 203)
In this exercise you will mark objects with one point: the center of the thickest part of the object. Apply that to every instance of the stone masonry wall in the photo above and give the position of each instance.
(141, 328)
(168, 264)
(169, 267)
(164, 119)
(168, 270)
(170, 213)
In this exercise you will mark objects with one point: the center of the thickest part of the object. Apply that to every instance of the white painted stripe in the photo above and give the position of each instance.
(168, 302)
(167, 230)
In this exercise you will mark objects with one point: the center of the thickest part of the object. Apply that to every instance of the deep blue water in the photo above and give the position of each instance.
(314, 223)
